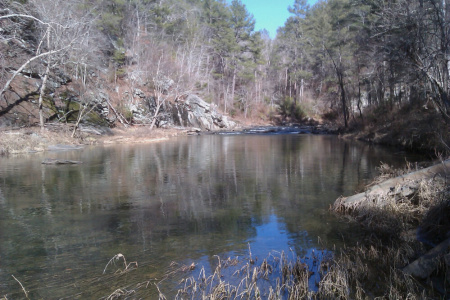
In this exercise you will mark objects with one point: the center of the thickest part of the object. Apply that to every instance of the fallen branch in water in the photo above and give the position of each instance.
(24, 290)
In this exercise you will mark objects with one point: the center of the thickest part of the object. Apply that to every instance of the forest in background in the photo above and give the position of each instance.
(354, 63)
(377, 68)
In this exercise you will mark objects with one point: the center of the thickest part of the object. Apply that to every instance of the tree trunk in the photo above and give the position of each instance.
(233, 85)
(429, 262)
(41, 96)
(302, 88)
(359, 99)
(343, 98)
(155, 115)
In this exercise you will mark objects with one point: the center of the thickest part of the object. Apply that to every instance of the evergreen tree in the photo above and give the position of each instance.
(294, 44)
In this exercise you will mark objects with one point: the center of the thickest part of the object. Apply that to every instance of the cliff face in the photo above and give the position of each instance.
(108, 103)
(85, 80)
(139, 107)
(65, 97)
(192, 111)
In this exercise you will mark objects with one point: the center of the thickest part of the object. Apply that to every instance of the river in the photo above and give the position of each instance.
(183, 201)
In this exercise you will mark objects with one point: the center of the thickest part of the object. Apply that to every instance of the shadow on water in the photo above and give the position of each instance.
(183, 201)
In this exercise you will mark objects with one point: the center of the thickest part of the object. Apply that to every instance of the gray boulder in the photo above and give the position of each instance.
(195, 112)
(190, 111)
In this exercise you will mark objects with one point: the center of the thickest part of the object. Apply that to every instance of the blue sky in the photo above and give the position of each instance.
(269, 14)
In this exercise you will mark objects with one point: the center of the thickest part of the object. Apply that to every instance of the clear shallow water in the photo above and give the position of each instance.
(184, 201)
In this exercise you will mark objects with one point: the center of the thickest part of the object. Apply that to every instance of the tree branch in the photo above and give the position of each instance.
(26, 64)
(32, 18)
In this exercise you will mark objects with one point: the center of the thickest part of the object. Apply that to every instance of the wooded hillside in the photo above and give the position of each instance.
(356, 63)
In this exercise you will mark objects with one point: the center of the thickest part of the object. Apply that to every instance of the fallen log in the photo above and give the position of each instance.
(428, 263)
(51, 161)
(404, 185)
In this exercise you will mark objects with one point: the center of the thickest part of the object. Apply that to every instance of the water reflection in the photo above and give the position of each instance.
(182, 200)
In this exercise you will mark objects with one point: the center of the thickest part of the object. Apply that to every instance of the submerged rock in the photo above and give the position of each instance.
(51, 161)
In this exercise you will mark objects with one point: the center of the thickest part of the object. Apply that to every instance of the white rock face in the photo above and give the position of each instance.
(190, 112)
(204, 115)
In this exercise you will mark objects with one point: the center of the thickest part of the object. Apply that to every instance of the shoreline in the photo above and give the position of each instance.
(391, 240)
(404, 214)
(31, 139)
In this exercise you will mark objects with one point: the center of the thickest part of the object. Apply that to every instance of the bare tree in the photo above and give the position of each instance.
(162, 84)
(61, 35)
(85, 108)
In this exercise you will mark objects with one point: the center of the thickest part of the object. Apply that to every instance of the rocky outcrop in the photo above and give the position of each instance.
(66, 95)
(63, 102)
(194, 112)
(74, 88)
(188, 111)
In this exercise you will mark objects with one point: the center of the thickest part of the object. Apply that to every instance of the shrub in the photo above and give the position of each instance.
(330, 115)
(291, 109)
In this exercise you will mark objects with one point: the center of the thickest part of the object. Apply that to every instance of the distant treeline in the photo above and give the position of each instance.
(335, 58)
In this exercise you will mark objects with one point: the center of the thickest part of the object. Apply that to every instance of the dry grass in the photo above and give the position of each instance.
(248, 281)
(371, 269)
(140, 134)
(386, 172)
(276, 277)
(390, 237)
(348, 275)
(32, 139)
(436, 224)
(120, 294)
(127, 266)
(402, 212)
(21, 285)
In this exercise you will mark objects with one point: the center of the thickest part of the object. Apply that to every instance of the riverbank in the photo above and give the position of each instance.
(339, 274)
(413, 128)
(403, 249)
(404, 215)
(33, 139)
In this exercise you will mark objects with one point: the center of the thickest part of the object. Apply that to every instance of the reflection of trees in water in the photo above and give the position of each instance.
(170, 200)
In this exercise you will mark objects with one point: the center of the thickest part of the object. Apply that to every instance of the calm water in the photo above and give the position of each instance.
(183, 201)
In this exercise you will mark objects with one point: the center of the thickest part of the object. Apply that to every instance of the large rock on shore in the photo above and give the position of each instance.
(194, 112)
(187, 111)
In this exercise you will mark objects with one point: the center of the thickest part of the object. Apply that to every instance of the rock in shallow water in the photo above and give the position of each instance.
(51, 161)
